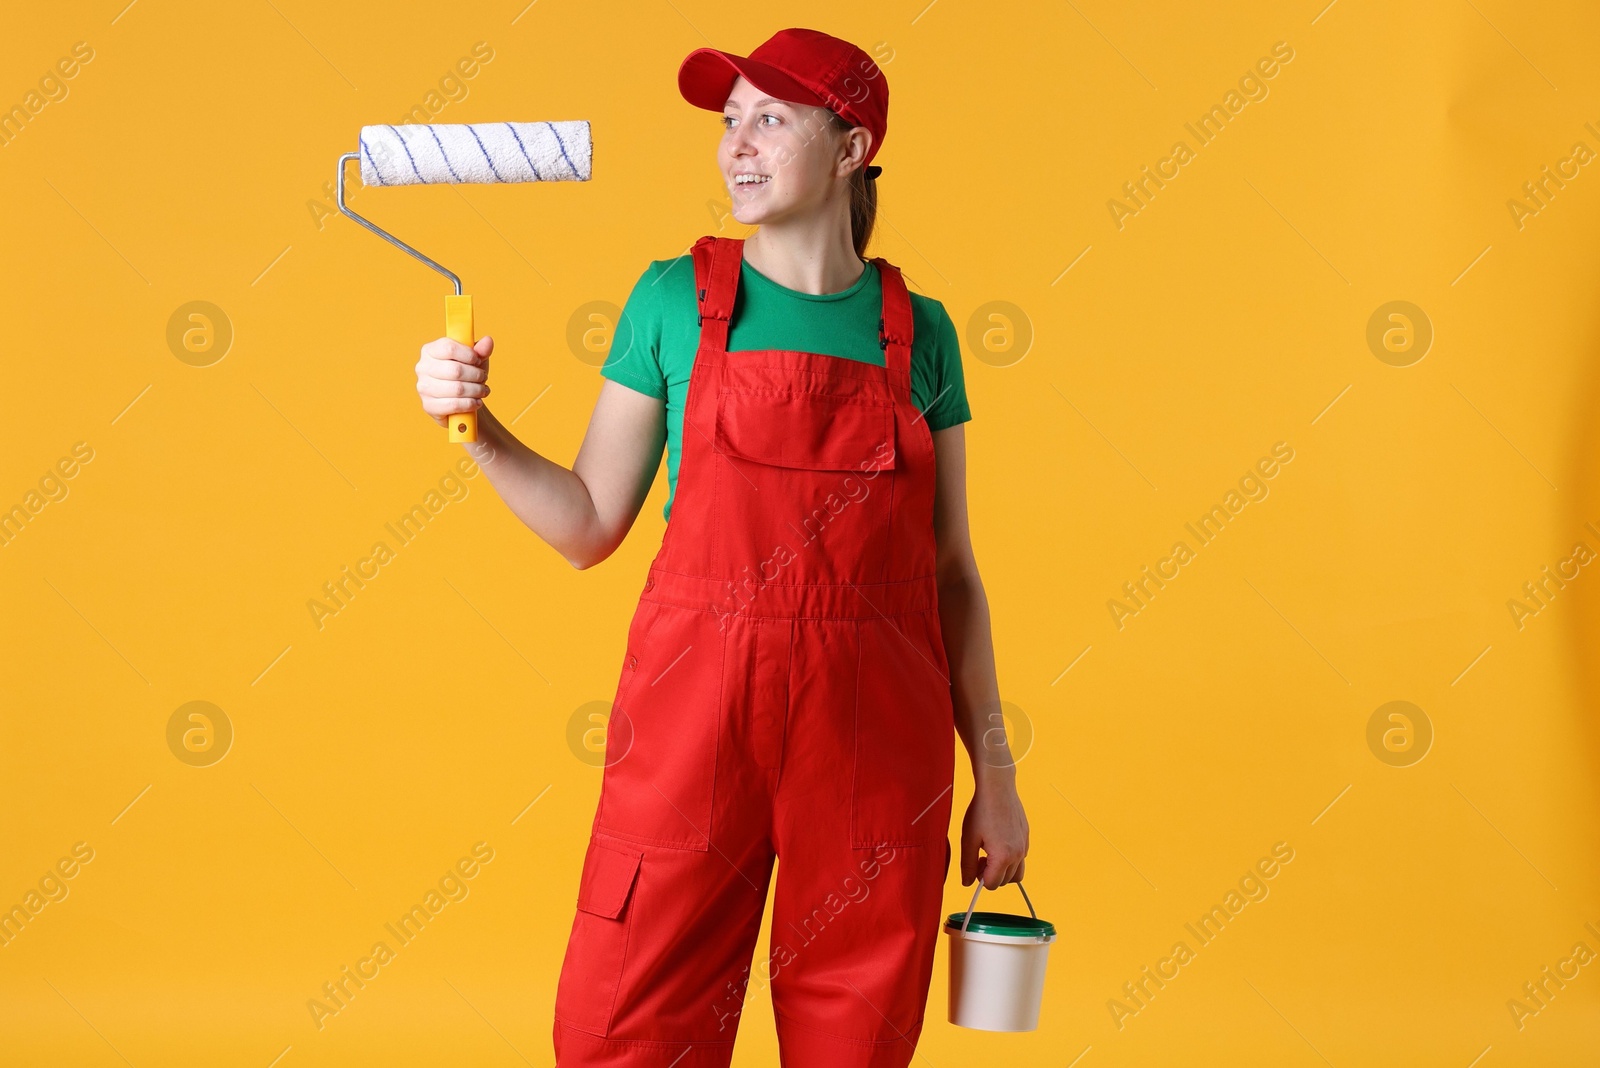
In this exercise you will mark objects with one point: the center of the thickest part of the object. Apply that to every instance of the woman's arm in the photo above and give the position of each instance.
(994, 822)
(583, 513)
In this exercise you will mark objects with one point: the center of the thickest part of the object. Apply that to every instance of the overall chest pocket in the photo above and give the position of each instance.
(805, 429)
(804, 489)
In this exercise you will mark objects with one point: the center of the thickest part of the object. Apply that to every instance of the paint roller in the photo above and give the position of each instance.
(487, 153)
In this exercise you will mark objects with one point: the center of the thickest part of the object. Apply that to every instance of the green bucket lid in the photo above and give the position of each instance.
(1002, 923)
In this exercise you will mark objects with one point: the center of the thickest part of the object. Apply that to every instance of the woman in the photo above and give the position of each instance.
(813, 624)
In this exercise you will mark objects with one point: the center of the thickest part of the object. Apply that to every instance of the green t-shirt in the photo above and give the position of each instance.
(658, 334)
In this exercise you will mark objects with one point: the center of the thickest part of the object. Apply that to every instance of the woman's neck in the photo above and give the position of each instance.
(804, 256)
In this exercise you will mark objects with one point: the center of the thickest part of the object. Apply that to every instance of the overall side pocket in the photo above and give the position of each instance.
(661, 742)
(904, 734)
(591, 973)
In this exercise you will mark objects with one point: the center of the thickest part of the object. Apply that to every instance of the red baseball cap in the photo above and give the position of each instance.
(803, 66)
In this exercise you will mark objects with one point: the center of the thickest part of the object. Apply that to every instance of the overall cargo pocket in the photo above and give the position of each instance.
(592, 970)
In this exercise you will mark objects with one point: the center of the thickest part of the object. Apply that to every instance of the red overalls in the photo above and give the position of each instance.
(785, 693)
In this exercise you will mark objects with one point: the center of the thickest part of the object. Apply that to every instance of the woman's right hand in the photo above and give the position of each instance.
(452, 378)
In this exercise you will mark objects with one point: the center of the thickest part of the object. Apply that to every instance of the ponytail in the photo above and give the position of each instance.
(863, 198)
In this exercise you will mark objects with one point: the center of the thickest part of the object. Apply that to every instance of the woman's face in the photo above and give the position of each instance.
(791, 152)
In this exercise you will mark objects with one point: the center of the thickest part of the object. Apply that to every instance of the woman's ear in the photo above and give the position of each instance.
(854, 146)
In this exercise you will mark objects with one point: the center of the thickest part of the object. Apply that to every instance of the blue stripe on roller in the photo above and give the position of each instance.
(407, 147)
(485, 152)
(563, 148)
(536, 175)
(375, 171)
(442, 152)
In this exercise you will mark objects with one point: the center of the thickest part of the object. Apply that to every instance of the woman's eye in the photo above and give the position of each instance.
(771, 116)
(728, 121)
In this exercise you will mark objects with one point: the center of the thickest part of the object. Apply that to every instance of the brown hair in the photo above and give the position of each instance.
(863, 197)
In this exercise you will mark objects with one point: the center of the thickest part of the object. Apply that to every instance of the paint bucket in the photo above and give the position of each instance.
(997, 967)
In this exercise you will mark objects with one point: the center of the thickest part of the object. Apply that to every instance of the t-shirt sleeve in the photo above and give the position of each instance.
(635, 356)
(949, 406)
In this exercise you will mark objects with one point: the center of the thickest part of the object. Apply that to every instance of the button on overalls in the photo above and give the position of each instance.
(785, 693)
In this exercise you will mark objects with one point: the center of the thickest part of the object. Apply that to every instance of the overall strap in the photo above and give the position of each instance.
(895, 327)
(716, 283)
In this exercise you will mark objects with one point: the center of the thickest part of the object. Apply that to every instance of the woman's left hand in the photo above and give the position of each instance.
(996, 824)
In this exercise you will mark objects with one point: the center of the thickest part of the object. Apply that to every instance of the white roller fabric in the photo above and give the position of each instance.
(488, 152)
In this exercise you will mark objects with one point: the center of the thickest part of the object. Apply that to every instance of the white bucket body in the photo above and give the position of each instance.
(996, 981)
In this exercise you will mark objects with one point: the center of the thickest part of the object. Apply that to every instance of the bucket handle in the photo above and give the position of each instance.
(974, 902)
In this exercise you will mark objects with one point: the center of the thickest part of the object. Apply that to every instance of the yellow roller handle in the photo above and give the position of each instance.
(458, 327)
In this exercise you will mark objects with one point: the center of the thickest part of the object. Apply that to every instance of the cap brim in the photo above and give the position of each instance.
(707, 75)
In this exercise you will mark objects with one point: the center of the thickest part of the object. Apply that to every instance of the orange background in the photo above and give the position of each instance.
(1125, 374)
